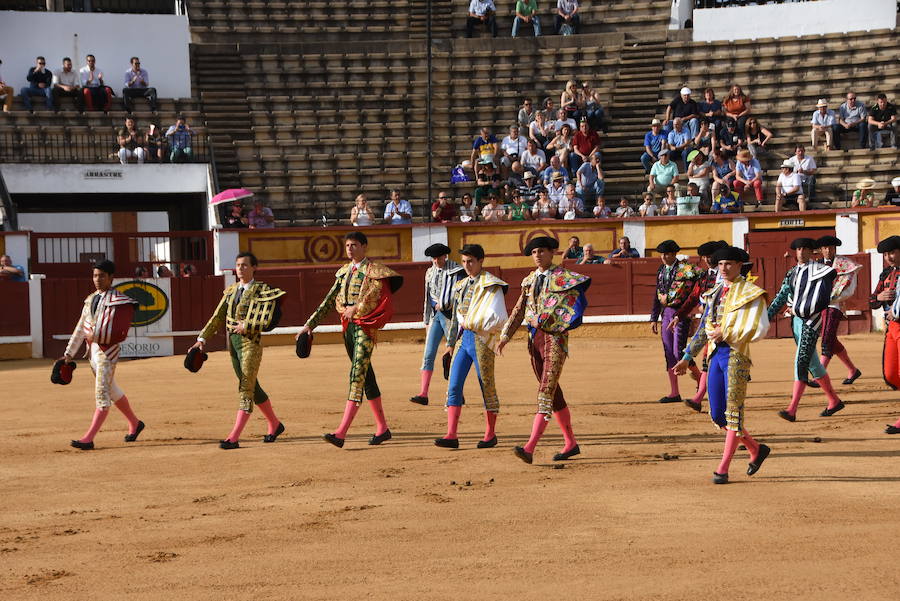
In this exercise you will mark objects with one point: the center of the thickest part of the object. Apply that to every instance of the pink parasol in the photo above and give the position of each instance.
(230, 195)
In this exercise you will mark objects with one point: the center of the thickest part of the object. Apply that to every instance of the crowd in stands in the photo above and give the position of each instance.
(259, 217)
(162, 270)
(483, 14)
(587, 254)
(175, 145)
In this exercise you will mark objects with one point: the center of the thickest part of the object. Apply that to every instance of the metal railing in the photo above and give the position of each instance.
(43, 146)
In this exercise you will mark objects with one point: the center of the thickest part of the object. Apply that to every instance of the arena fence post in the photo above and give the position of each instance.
(35, 311)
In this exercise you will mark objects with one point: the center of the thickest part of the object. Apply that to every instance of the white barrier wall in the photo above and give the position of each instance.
(108, 178)
(161, 42)
(793, 19)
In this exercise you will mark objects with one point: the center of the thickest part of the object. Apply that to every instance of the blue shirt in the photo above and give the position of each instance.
(678, 138)
(654, 141)
(547, 174)
(402, 207)
(17, 278)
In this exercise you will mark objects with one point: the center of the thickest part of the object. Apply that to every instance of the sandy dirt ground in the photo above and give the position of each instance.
(635, 517)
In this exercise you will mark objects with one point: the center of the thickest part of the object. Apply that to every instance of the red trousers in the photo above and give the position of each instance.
(755, 184)
(891, 355)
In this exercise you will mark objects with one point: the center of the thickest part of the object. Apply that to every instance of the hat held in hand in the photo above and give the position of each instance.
(194, 359)
(304, 344)
(62, 372)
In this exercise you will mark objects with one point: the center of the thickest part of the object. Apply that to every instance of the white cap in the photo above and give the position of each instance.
(655, 122)
(895, 182)
(787, 164)
(685, 91)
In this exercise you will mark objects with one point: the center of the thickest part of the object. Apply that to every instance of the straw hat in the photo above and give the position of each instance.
(744, 155)
(821, 102)
(866, 184)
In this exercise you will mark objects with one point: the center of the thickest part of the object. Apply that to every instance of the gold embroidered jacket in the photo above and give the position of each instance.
(361, 288)
(258, 308)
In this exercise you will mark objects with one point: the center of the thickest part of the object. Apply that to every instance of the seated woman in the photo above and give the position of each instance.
(706, 137)
(699, 172)
(544, 208)
(562, 145)
(540, 130)
(722, 171)
(568, 100)
(757, 137)
(864, 195)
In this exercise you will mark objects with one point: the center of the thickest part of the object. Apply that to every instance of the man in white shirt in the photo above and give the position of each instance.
(137, 85)
(397, 211)
(805, 167)
(67, 83)
(571, 206)
(512, 147)
(567, 14)
(789, 188)
(557, 189)
(97, 95)
(533, 159)
(481, 12)
(823, 123)
(561, 120)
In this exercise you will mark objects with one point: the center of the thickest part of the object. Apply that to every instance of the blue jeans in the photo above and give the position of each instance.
(593, 191)
(647, 161)
(437, 331)
(535, 25)
(29, 91)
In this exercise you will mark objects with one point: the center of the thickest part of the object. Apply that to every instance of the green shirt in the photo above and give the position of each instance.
(526, 8)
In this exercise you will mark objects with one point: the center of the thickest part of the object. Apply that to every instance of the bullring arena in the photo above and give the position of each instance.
(277, 129)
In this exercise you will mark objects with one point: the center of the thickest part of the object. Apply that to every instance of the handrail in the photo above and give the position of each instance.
(42, 146)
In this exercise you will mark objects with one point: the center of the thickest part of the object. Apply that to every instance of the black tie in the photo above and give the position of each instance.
(539, 286)
(237, 300)
(95, 302)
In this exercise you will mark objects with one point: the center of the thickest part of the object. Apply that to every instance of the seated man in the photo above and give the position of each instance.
(131, 142)
(805, 167)
(66, 83)
(726, 201)
(892, 196)
(853, 116)
(481, 12)
(562, 118)
(40, 80)
(261, 216)
(663, 173)
(680, 142)
(690, 203)
(6, 93)
(552, 169)
(571, 206)
(530, 188)
(97, 95)
(684, 107)
(533, 159)
(137, 85)
(585, 144)
(589, 177)
(179, 138)
(730, 141)
(590, 256)
(10, 272)
(557, 188)
(485, 147)
(625, 251)
(788, 188)
(511, 148)
(748, 174)
(823, 124)
(526, 13)
(397, 210)
(567, 15)
(882, 120)
(654, 141)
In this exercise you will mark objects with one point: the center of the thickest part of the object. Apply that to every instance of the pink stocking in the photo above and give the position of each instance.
(846, 360)
(751, 444)
(123, 406)
(673, 383)
(701, 389)
(824, 361)
(349, 413)
(239, 422)
(731, 445)
(378, 412)
(828, 389)
(799, 387)
(537, 430)
(99, 417)
(696, 371)
(897, 424)
(564, 419)
(271, 420)
(426, 382)
(490, 419)
(453, 413)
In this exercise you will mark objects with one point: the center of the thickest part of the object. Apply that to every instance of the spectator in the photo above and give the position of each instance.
(493, 210)
(541, 130)
(557, 188)
(533, 159)
(511, 148)
(723, 171)
(179, 137)
(554, 167)
(156, 142)
(823, 123)
(40, 83)
(261, 217)
(788, 188)
(737, 107)
(10, 272)
(699, 172)
(585, 144)
(601, 211)
(669, 205)
(563, 144)
(567, 15)
(711, 109)
(624, 210)
(648, 208)
(517, 210)
(527, 114)
(590, 179)
(689, 204)
(568, 100)
(864, 195)
(590, 256)
(188, 271)
(805, 167)
(686, 108)
(727, 202)
(730, 142)
(525, 14)
(487, 180)
(530, 188)
(516, 179)
(548, 111)
(706, 137)
(397, 211)
(748, 174)
(486, 145)
(757, 137)
(852, 116)
(141, 272)
(6, 92)
(590, 107)
(97, 95)
(892, 196)
(625, 251)
(571, 206)
(137, 85)
(235, 219)
(131, 142)
(362, 215)
(467, 209)
(563, 118)
(882, 120)
(654, 141)
(67, 83)
(574, 250)
(163, 271)
(443, 210)
(679, 141)
(544, 208)
(481, 12)
(663, 173)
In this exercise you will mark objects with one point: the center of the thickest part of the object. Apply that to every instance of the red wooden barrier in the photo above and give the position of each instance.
(15, 319)
(62, 302)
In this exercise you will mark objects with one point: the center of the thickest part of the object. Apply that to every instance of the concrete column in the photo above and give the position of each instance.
(740, 227)
(635, 232)
(226, 246)
(424, 236)
(846, 227)
(35, 312)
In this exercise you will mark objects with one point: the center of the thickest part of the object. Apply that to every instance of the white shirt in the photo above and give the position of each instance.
(479, 7)
(648, 210)
(85, 72)
(557, 125)
(516, 146)
(789, 182)
(567, 6)
(807, 164)
(533, 161)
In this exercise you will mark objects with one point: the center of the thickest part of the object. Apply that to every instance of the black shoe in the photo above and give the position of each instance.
(576, 450)
(419, 400)
(892, 430)
(785, 415)
(380, 438)
(133, 437)
(671, 399)
(84, 446)
(812, 384)
(720, 478)
(447, 443)
(830, 412)
(487, 444)
(754, 466)
(228, 445)
(272, 437)
(338, 442)
(852, 378)
(695, 406)
(524, 455)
